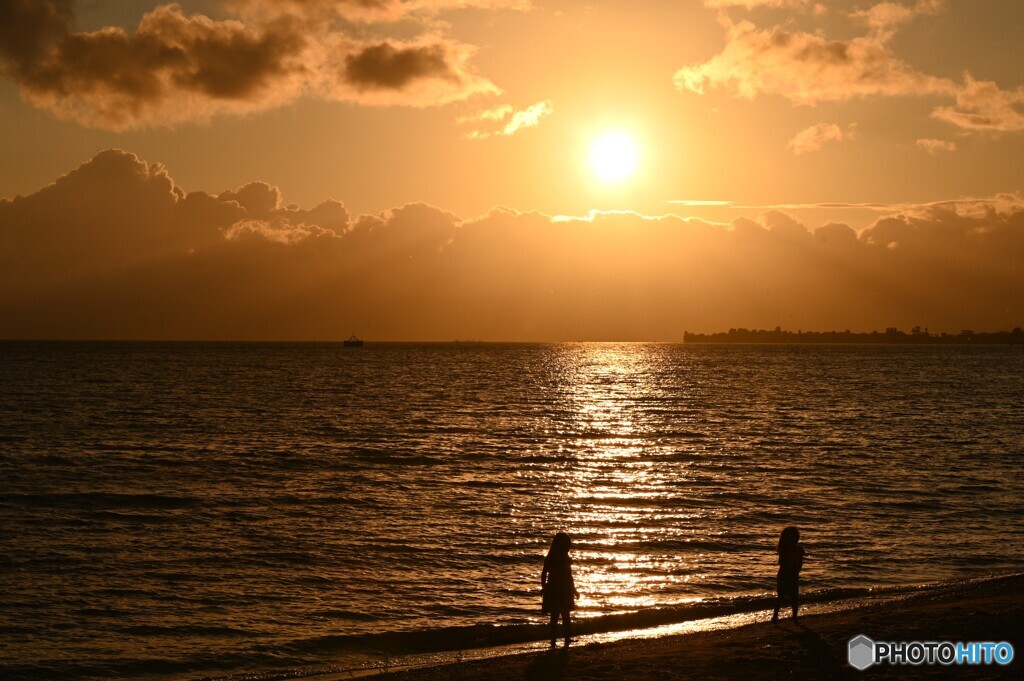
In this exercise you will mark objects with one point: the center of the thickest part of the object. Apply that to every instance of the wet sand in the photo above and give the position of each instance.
(814, 648)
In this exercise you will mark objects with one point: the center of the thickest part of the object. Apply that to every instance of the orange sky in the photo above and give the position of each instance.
(806, 164)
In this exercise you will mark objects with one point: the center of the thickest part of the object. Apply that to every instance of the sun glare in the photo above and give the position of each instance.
(613, 157)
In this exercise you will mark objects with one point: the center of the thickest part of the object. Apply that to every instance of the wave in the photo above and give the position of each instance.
(102, 500)
(397, 650)
(390, 644)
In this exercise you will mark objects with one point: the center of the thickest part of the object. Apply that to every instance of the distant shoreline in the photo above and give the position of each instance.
(732, 337)
(890, 336)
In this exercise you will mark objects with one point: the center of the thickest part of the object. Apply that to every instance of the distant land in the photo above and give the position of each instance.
(891, 335)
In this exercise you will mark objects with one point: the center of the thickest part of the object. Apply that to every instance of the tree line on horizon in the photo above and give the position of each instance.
(891, 335)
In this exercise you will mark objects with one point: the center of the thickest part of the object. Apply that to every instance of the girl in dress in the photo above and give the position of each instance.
(791, 559)
(559, 589)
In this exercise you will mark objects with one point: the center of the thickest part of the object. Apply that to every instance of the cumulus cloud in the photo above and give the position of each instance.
(807, 69)
(173, 67)
(115, 249)
(934, 146)
(812, 138)
(514, 121)
(176, 67)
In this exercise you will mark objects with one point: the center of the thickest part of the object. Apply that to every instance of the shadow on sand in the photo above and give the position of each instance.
(826, 663)
(549, 665)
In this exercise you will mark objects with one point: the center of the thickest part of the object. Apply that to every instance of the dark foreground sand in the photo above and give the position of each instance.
(816, 648)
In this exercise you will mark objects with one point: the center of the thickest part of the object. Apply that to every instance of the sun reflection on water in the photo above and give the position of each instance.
(611, 486)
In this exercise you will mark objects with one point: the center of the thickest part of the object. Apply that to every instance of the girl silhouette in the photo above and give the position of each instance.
(559, 589)
(791, 559)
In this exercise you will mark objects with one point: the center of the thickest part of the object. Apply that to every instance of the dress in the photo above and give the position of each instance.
(791, 560)
(559, 588)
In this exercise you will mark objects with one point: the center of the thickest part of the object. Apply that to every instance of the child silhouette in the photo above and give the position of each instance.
(791, 559)
(559, 588)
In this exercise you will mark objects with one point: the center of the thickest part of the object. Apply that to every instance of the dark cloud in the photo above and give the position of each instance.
(257, 198)
(176, 67)
(173, 67)
(385, 66)
(27, 30)
(116, 211)
(116, 249)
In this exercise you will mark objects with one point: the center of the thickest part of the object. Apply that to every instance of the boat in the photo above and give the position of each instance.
(353, 342)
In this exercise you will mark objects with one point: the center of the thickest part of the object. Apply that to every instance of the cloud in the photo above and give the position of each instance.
(750, 4)
(369, 10)
(517, 120)
(812, 138)
(27, 27)
(702, 203)
(497, 113)
(279, 232)
(172, 68)
(982, 105)
(809, 69)
(176, 67)
(885, 17)
(933, 146)
(431, 71)
(879, 15)
(115, 249)
(528, 117)
(383, 66)
(117, 210)
(1000, 204)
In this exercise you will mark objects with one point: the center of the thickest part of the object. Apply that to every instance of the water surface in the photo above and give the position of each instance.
(206, 508)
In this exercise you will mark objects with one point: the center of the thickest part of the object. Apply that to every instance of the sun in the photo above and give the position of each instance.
(613, 157)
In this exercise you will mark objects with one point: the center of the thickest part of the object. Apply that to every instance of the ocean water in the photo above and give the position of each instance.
(184, 510)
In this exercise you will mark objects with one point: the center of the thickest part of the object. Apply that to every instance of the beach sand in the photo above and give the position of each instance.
(816, 648)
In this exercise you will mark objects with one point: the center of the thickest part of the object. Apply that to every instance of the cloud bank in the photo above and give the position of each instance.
(115, 249)
(176, 67)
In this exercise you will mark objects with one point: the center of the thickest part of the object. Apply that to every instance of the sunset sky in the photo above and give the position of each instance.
(508, 169)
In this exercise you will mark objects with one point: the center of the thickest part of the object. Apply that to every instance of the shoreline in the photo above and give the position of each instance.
(746, 645)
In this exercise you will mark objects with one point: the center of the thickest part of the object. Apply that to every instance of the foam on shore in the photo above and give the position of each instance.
(470, 647)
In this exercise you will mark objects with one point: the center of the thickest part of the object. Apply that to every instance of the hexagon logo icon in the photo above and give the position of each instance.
(861, 652)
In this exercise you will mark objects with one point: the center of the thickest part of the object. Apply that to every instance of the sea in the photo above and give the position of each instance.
(271, 510)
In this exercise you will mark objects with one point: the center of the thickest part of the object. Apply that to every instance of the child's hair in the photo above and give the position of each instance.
(560, 546)
(790, 537)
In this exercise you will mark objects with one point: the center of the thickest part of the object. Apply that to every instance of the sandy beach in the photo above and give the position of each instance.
(815, 648)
